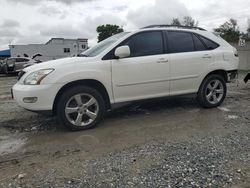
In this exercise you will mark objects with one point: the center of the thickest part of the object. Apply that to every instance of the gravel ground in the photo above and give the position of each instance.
(209, 162)
(170, 143)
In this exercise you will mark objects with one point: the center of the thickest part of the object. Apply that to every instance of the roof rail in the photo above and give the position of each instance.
(177, 26)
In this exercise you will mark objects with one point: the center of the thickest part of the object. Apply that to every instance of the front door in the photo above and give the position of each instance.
(145, 74)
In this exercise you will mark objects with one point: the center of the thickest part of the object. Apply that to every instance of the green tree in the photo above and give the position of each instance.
(248, 27)
(176, 21)
(229, 30)
(105, 31)
(189, 21)
(186, 21)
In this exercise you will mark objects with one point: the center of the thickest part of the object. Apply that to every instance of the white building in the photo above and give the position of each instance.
(55, 48)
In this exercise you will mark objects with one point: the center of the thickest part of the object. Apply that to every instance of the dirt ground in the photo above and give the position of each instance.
(164, 143)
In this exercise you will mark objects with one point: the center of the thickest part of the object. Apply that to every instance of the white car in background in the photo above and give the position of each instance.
(16, 64)
(156, 61)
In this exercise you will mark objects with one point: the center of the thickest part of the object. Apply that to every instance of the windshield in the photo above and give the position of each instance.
(100, 47)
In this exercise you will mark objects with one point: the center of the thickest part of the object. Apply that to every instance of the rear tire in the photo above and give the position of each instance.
(80, 108)
(212, 91)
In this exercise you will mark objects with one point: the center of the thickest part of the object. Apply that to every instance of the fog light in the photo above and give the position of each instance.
(30, 99)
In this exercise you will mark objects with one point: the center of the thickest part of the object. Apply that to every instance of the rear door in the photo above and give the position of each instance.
(145, 74)
(188, 56)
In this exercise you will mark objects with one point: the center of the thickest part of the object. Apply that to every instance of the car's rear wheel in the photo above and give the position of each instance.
(80, 108)
(212, 91)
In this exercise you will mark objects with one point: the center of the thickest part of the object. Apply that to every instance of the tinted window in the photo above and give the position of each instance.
(146, 43)
(180, 42)
(21, 60)
(199, 46)
(209, 44)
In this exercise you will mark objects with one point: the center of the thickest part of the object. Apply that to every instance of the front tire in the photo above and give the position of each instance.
(212, 91)
(80, 108)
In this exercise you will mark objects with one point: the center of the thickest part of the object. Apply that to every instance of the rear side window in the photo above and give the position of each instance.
(146, 43)
(199, 46)
(180, 42)
(21, 60)
(209, 44)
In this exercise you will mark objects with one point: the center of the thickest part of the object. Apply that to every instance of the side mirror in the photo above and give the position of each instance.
(122, 51)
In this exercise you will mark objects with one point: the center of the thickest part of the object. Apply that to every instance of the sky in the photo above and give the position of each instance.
(36, 21)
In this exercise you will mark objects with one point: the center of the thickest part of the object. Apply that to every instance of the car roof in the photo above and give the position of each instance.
(196, 30)
(174, 26)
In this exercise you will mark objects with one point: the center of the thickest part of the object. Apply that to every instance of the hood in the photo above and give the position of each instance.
(58, 63)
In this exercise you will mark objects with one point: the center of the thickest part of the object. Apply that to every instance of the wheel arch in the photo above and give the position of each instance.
(220, 72)
(86, 82)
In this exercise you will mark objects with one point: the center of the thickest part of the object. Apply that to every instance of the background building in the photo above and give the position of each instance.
(55, 48)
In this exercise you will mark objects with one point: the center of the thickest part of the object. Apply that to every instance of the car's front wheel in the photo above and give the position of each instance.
(212, 91)
(80, 108)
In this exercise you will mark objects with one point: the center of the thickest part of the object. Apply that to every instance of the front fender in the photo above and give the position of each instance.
(100, 72)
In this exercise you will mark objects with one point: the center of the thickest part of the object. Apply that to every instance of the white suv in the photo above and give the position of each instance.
(152, 62)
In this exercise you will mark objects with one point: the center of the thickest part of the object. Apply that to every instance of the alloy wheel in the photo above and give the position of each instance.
(81, 109)
(214, 91)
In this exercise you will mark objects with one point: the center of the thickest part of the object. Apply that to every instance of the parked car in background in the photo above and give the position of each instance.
(16, 64)
(247, 78)
(1, 65)
(152, 62)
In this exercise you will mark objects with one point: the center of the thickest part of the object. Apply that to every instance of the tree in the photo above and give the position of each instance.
(248, 27)
(229, 30)
(189, 21)
(186, 21)
(105, 31)
(176, 21)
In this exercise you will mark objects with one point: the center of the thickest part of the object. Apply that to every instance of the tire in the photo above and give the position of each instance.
(212, 91)
(80, 108)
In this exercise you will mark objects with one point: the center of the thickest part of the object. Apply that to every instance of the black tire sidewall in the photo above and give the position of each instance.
(71, 92)
(202, 91)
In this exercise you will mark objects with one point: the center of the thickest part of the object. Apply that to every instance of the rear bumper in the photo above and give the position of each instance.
(232, 75)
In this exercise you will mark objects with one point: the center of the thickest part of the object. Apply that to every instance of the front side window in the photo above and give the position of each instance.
(145, 43)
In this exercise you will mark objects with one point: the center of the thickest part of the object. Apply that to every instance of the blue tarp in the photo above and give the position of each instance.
(5, 53)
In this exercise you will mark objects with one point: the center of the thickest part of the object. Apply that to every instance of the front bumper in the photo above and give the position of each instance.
(45, 95)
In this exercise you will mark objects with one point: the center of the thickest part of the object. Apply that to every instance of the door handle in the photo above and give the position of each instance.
(207, 56)
(162, 60)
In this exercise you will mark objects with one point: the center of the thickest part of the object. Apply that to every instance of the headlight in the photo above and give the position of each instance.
(36, 77)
